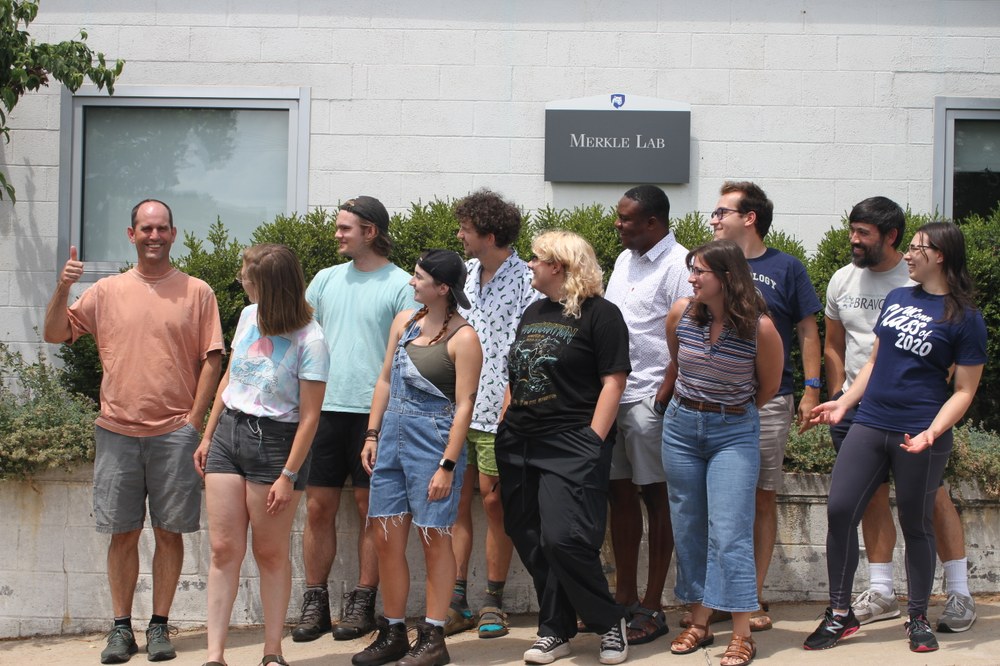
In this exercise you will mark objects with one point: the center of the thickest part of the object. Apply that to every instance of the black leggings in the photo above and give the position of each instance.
(862, 464)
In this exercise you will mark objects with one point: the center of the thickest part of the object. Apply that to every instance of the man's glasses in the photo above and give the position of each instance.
(720, 213)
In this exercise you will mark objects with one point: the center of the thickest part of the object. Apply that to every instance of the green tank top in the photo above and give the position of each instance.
(434, 363)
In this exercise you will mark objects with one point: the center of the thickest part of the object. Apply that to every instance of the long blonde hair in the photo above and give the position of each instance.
(583, 276)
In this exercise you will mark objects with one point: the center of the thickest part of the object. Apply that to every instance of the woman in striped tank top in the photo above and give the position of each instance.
(725, 361)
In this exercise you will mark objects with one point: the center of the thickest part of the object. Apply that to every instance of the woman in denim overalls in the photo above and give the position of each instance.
(415, 452)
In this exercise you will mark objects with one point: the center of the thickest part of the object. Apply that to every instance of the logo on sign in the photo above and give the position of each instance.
(618, 100)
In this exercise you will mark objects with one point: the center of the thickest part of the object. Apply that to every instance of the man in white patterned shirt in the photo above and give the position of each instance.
(499, 289)
(648, 277)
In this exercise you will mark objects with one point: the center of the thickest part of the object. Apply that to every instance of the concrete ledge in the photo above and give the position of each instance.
(52, 562)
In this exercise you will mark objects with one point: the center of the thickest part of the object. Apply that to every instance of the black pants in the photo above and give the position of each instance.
(555, 500)
(862, 464)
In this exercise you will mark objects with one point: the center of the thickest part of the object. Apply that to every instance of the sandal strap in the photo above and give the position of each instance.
(741, 647)
(688, 639)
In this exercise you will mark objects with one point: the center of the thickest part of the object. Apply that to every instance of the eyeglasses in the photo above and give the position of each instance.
(721, 212)
(912, 248)
(698, 272)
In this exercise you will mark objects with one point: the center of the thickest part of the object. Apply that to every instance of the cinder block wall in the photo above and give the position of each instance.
(52, 562)
(824, 104)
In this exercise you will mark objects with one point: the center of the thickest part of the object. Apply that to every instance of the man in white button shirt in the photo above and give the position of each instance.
(648, 277)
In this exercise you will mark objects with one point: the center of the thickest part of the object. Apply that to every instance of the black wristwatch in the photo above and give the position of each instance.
(447, 465)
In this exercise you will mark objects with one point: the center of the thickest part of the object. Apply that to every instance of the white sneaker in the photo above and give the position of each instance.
(872, 606)
(614, 644)
(546, 650)
(959, 614)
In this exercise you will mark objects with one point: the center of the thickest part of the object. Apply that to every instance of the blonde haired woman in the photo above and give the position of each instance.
(567, 367)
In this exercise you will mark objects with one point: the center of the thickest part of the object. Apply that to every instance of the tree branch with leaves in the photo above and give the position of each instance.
(26, 65)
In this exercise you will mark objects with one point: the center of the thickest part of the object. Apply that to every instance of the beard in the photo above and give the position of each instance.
(870, 256)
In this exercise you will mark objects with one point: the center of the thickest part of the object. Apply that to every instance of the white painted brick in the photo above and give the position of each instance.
(511, 119)
(709, 161)
(382, 184)
(403, 153)
(217, 44)
(370, 47)
(475, 155)
(31, 594)
(920, 197)
(510, 47)
(726, 122)
(43, 548)
(872, 53)
(475, 83)
(285, 45)
(870, 125)
(766, 87)
(838, 88)
(36, 110)
(810, 52)
(776, 16)
(160, 43)
(850, 192)
(694, 86)
(122, 12)
(833, 161)
(342, 14)
(991, 50)
(523, 189)
(577, 49)
(903, 162)
(5, 278)
(424, 186)
(806, 124)
(438, 47)
(647, 49)
(854, 17)
(933, 18)
(319, 116)
(920, 89)
(727, 50)
(365, 117)
(31, 146)
(262, 14)
(801, 195)
(190, 13)
(527, 156)
(328, 152)
(950, 54)
(424, 118)
(764, 160)
(406, 82)
(638, 81)
(920, 126)
(547, 83)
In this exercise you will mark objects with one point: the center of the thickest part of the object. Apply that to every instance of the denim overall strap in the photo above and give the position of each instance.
(410, 390)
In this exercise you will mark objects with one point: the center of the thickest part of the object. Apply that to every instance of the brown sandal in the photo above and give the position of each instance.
(760, 620)
(716, 616)
(742, 648)
(689, 641)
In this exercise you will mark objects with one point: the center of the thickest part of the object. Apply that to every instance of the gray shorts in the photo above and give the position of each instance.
(637, 453)
(775, 422)
(128, 470)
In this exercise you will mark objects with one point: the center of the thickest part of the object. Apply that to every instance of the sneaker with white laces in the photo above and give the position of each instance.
(546, 650)
(614, 645)
(872, 606)
(959, 614)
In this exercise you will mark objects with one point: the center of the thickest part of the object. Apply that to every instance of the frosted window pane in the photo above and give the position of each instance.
(204, 163)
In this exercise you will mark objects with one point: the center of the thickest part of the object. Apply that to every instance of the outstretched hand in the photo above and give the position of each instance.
(829, 413)
(917, 443)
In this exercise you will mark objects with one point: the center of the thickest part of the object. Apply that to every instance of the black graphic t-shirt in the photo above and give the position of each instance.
(556, 364)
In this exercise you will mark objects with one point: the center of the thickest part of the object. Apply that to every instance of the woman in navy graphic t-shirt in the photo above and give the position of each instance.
(904, 422)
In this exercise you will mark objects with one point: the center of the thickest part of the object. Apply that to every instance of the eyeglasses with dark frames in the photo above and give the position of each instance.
(721, 212)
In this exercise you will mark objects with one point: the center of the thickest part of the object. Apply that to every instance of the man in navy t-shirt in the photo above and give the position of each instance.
(743, 215)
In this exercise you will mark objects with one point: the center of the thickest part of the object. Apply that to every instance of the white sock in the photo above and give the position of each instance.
(395, 620)
(880, 577)
(435, 623)
(956, 576)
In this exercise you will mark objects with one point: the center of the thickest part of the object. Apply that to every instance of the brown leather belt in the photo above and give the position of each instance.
(716, 407)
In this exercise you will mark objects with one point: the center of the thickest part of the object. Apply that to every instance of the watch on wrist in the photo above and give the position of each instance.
(447, 465)
(292, 476)
(813, 382)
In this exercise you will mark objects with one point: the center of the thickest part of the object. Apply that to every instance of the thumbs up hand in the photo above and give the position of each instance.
(73, 269)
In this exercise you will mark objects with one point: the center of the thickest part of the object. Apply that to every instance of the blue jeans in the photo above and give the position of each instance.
(711, 461)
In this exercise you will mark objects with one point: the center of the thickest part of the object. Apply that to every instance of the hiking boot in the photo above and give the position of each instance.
(959, 614)
(614, 646)
(546, 650)
(428, 649)
(358, 617)
(158, 645)
(872, 606)
(121, 646)
(390, 645)
(831, 630)
(918, 630)
(315, 619)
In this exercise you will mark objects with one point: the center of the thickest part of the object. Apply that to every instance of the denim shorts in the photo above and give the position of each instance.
(255, 448)
(128, 470)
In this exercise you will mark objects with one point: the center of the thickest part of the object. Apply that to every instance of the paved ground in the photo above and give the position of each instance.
(882, 643)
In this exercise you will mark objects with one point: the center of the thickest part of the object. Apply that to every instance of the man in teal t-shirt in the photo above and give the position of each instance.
(355, 304)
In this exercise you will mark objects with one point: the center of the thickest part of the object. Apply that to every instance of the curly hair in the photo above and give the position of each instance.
(489, 213)
(583, 276)
(743, 304)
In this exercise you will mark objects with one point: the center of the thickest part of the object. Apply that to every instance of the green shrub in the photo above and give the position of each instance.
(596, 223)
(975, 456)
(691, 230)
(42, 424)
(310, 236)
(423, 227)
(810, 452)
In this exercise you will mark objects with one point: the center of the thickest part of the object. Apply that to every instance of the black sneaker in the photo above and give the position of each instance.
(614, 646)
(121, 646)
(546, 650)
(358, 617)
(158, 645)
(831, 630)
(315, 619)
(918, 630)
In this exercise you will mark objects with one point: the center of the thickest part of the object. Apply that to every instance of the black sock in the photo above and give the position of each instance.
(458, 598)
(494, 593)
(158, 619)
(124, 621)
